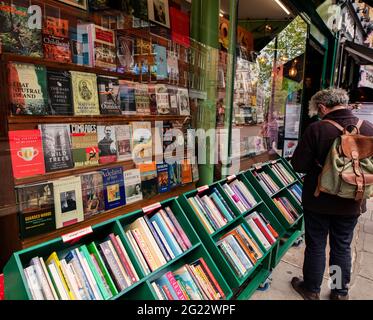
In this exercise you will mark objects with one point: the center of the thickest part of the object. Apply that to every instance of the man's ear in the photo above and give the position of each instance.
(323, 108)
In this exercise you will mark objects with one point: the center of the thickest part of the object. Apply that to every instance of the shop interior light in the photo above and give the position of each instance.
(282, 6)
(221, 14)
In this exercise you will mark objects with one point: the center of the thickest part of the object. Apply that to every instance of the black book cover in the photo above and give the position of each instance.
(60, 95)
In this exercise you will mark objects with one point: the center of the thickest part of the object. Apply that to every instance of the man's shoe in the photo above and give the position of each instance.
(298, 286)
(336, 296)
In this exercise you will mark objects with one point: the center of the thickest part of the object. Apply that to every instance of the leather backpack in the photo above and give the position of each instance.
(348, 169)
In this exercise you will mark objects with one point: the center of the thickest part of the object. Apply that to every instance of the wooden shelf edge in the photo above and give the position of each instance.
(26, 243)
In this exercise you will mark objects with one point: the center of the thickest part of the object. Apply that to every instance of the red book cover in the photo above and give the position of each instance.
(180, 26)
(1, 287)
(27, 153)
(212, 278)
(175, 286)
(167, 293)
(264, 231)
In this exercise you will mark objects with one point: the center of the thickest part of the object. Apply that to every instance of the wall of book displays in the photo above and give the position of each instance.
(149, 254)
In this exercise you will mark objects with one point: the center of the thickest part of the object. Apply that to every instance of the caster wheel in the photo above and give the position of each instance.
(298, 242)
(264, 287)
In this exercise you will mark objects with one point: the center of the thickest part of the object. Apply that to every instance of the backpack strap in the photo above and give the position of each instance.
(344, 130)
(335, 124)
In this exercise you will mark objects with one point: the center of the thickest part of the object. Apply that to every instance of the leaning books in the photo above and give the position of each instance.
(123, 134)
(114, 191)
(108, 89)
(107, 144)
(132, 182)
(92, 194)
(60, 93)
(84, 144)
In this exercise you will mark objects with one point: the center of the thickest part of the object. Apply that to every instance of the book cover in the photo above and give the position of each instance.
(114, 191)
(142, 142)
(152, 99)
(163, 178)
(163, 103)
(180, 25)
(195, 172)
(59, 93)
(149, 183)
(123, 134)
(174, 174)
(160, 62)
(36, 209)
(26, 150)
(125, 53)
(183, 102)
(172, 95)
(142, 99)
(92, 194)
(84, 87)
(27, 88)
(127, 97)
(186, 172)
(108, 91)
(173, 66)
(132, 182)
(84, 144)
(56, 42)
(190, 286)
(80, 52)
(56, 146)
(15, 34)
(107, 144)
(68, 201)
(104, 47)
(140, 9)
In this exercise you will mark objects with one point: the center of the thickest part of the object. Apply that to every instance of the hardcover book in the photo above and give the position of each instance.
(92, 194)
(127, 97)
(114, 192)
(149, 183)
(84, 86)
(132, 182)
(180, 25)
(26, 151)
(173, 95)
(108, 90)
(80, 52)
(36, 209)
(123, 134)
(107, 144)
(160, 61)
(125, 53)
(163, 104)
(56, 42)
(142, 99)
(183, 102)
(84, 144)
(68, 201)
(15, 34)
(60, 93)
(142, 142)
(57, 147)
(27, 88)
(163, 178)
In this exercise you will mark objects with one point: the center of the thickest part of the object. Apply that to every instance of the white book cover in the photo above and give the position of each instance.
(256, 215)
(258, 233)
(57, 280)
(51, 286)
(183, 101)
(33, 283)
(120, 265)
(68, 201)
(132, 183)
(138, 253)
(163, 105)
(161, 236)
(42, 279)
(71, 282)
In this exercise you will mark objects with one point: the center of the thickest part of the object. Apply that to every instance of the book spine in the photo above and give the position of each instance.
(96, 265)
(53, 290)
(201, 283)
(265, 231)
(47, 292)
(34, 285)
(179, 229)
(157, 291)
(128, 258)
(242, 197)
(156, 227)
(234, 198)
(207, 212)
(144, 249)
(61, 291)
(232, 258)
(220, 206)
(175, 286)
(240, 253)
(212, 278)
(201, 215)
(247, 193)
(136, 249)
(214, 294)
(249, 240)
(216, 191)
(258, 233)
(215, 211)
(173, 230)
(72, 283)
(201, 291)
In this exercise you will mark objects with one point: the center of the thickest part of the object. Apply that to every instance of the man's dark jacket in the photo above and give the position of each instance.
(314, 148)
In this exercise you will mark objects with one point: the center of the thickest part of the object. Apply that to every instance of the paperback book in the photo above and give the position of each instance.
(59, 93)
(84, 144)
(107, 144)
(108, 90)
(142, 142)
(172, 94)
(132, 182)
(163, 104)
(149, 183)
(142, 99)
(152, 99)
(92, 194)
(163, 178)
(160, 61)
(127, 97)
(183, 102)
(114, 191)
(125, 53)
(123, 134)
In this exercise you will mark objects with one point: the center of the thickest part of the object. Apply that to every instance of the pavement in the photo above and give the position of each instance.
(361, 286)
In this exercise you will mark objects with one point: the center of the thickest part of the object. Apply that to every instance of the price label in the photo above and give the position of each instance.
(231, 178)
(203, 188)
(258, 166)
(76, 234)
(151, 208)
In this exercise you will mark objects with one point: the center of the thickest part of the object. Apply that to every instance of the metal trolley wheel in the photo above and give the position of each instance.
(266, 285)
(298, 242)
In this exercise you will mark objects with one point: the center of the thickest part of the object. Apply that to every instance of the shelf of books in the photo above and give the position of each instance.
(152, 253)
(237, 228)
(281, 189)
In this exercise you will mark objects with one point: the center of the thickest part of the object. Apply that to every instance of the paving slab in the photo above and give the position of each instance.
(366, 265)
(362, 289)
(368, 243)
(368, 226)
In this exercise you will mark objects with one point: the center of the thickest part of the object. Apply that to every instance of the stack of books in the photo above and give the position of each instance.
(282, 173)
(263, 230)
(266, 182)
(240, 249)
(92, 272)
(240, 195)
(296, 191)
(213, 211)
(157, 239)
(193, 281)
(286, 209)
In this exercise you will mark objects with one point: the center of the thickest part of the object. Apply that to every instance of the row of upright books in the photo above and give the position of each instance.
(55, 147)
(36, 90)
(287, 209)
(50, 205)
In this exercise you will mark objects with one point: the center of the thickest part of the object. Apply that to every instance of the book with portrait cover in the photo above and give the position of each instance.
(142, 99)
(114, 192)
(152, 99)
(127, 97)
(172, 94)
(56, 42)
(84, 144)
(163, 103)
(108, 91)
(142, 141)
(26, 150)
(27, 88)
(36, 209)
(183, 101)
(84, 87)
(68, 201)
(123, 135)
(132, 183)
(160, 61)
(92, 194)
(163, 178)
(174, 172)
(125, 53)
(56, 146)
(16, 36)
(149, 183)
(107, 144)
(59, 93)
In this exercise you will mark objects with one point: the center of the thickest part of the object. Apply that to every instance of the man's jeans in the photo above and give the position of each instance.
(341, 231)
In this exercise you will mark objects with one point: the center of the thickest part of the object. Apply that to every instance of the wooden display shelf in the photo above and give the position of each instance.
(107, 215)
